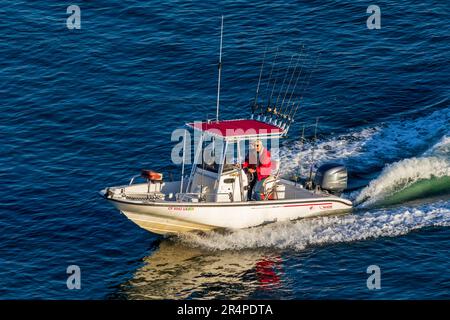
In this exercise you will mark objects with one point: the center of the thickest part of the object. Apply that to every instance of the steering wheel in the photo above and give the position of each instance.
(250, 176)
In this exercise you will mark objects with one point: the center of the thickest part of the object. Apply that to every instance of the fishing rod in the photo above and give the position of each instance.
(299, 100)
(310, 182)
(304, 88)
(302, 143)
(273, 89)
(284, 80)
(255, 104)
(284, 119)
(270, 77)
(295, 85)
(267, 110)
(292, 76)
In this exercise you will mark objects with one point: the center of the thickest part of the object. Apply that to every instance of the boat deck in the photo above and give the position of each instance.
(139, 193)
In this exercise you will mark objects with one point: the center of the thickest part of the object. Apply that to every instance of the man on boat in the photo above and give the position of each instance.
(259, 165)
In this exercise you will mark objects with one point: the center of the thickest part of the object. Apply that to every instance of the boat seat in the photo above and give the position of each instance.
(152, 176)
(272, 180)
(273, 189)
(271, 183)
(275, 167)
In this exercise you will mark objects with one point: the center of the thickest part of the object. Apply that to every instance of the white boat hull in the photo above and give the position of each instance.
(177, 217)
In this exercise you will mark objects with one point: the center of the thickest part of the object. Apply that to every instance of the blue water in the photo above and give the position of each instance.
(85, 109)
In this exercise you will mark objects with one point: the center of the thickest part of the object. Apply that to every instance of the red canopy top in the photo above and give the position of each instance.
(243, 128)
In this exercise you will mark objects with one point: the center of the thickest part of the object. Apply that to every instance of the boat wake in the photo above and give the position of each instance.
(370, 148)
(410, 179)
(414, 171)
(325, 230)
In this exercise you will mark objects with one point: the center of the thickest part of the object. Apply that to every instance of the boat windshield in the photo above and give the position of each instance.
(233, 157)
(212, 155)
(214, 167)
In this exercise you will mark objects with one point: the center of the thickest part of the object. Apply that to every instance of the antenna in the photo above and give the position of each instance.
(220, 72)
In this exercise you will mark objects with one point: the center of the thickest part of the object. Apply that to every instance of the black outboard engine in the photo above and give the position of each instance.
(331, 177)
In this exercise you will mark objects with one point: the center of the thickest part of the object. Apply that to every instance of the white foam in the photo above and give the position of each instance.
(442, 148)
(402, 174)
(362, 149)
(332, 229)
(298, 156)
(371, 146)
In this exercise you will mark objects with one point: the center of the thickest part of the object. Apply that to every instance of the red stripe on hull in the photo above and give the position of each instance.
(308, 204)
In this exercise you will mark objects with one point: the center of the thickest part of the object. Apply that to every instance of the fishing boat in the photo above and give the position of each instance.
(218, 192)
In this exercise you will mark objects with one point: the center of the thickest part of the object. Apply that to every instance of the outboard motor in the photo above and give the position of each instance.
(331, 177)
